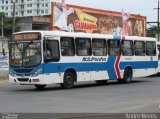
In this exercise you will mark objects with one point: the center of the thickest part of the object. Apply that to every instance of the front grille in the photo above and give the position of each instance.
(23, 79)
(22, 70)
(23, 74)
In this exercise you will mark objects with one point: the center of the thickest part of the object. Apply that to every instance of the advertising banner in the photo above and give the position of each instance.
(4, 60)
(81, 19)
(4, 54)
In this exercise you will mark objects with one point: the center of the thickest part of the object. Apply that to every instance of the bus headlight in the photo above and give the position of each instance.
(37, 72)
(12, 74)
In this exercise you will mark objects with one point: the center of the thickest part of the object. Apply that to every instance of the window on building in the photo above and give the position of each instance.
(99, 47)
(127, 48)
(67, 46)
(42, 11)
(83, 46)
(46, 5)
(150, 48)
(46, 11)
(6, 2)
(139, 47)
(6, 8)
(113, 47)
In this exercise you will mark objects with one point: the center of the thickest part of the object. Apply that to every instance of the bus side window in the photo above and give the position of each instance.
(139, 47)
(127, 48)
(150, 48)
(113, 47)
(51, 50)
(67, 46)
(83, 46)
(99, 47)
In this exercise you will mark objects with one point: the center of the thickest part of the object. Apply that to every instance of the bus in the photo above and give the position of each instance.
(40, 58)
(158, 46)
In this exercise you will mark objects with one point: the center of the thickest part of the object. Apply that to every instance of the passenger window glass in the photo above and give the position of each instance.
(67, 46)
(83, 46)
(127, 48)
(99, 47)
(150, 48)
(139, 47)
(113, 47)
(51, 50)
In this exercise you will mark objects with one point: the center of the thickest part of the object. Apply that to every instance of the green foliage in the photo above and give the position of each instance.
(7, 24)
(151, 32)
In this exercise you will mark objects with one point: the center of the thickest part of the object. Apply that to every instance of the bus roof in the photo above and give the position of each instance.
(82, 34)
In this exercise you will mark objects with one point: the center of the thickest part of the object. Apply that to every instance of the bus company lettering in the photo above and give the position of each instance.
(93, 59)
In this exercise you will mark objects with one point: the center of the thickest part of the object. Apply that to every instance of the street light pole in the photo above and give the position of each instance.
(13, 27)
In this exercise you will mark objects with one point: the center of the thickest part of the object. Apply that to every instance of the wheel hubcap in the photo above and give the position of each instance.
(68, 80)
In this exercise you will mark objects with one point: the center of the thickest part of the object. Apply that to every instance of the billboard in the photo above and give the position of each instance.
(81, 19)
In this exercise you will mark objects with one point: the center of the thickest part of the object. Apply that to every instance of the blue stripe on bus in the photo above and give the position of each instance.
(139, 64)
(99, 66)
(110, 67)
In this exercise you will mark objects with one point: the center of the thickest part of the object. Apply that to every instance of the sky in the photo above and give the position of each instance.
(142, 7)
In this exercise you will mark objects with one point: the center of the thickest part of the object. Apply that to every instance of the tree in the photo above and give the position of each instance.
(152, 31)
(7, 24)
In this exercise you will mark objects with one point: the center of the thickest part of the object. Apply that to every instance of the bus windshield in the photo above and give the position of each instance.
(25, 54)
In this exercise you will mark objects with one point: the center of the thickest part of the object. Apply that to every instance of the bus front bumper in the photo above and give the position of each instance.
(27, 80)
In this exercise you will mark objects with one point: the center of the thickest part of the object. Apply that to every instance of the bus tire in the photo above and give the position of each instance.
(127, 77)
(68, 80)
(40, 87)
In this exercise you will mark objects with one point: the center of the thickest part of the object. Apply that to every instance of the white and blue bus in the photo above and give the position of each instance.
(158, 69)
(57, 57)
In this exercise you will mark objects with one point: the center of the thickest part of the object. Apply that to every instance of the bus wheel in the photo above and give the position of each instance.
(127, 77)
(68, 80)
(40, 87)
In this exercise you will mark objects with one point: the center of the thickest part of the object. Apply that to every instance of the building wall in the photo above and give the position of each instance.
(26, 7)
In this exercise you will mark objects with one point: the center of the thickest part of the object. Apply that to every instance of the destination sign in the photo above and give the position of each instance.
(27, 36)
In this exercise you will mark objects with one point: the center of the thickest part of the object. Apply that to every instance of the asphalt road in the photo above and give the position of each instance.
(141, 95)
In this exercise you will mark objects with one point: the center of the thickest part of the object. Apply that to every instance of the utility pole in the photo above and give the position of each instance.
(157, 20)
(13, 24)
(158, 28)
(2, 27)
